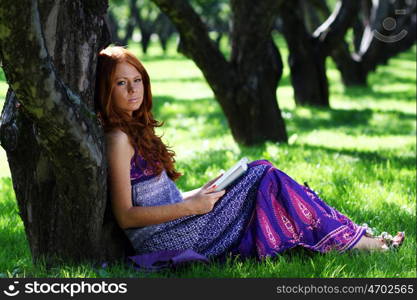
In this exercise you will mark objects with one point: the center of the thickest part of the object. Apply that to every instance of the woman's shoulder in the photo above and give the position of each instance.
(116, 135)
(118, 141)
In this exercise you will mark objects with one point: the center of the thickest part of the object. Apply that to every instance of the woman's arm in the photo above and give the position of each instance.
(119, 153)
(186, 195)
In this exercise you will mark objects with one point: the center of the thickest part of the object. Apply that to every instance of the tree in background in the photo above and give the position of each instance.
(216, 15)
(115, 22)
(245, 86)
(308, 52)
(165, 30)
(49, 130)
(381, 30)
(142, 15)
(146, 16)
(313, 33)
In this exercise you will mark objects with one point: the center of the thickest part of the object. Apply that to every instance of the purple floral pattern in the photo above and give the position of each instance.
(140, 169)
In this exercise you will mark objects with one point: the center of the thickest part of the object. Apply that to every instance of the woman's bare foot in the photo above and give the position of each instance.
(371, 243)
(380, 243)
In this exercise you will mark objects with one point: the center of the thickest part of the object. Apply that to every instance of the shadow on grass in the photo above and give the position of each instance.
(152, 58)
(386, 77)
(336, 118)
(7, 197)
(2, 75)
(182, 79)
(368, 157)
(353, 122)
(368, 92)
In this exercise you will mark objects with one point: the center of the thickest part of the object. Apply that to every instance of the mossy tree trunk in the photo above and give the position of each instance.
(54, 145)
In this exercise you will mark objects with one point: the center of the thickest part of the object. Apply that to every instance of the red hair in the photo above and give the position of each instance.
(140, 127)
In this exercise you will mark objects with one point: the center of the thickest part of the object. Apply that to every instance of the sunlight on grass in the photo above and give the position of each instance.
(3, 91)
(4, 166)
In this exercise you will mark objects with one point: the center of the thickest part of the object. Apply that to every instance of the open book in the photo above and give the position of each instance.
(231, 175)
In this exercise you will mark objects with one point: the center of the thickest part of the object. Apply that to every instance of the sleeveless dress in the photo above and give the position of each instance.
(263, 213)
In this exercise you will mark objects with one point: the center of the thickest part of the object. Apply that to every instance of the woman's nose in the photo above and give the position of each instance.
(131, 87)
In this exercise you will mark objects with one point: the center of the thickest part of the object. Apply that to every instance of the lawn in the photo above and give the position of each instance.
(360, 156)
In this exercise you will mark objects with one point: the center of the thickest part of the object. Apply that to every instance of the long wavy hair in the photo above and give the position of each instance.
(140, 127)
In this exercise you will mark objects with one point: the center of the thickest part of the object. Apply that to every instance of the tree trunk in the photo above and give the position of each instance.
(113, 26)
(246, 86)
(54, 145)
(145, 40)
(350, 70)
(146, 27)
(306, 61)
(308, 53)
(164, 29)
(130, 27)
(373, 43)
(252, 111)
(379, 43)
(312, 16)
(131, 24)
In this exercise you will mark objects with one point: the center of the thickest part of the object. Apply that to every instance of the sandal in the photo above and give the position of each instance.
(388, 241)
(392, 243)
(398, 240)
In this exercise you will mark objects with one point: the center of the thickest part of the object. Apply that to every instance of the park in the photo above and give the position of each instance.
(321, 89)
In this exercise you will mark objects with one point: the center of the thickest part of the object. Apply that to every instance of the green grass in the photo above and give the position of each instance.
(360, 156)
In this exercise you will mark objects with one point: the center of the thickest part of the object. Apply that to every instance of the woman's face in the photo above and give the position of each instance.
(127, 94)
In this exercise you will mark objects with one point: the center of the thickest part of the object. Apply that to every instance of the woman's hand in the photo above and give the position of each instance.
(208, 184)
(190, 194)
(202, 200)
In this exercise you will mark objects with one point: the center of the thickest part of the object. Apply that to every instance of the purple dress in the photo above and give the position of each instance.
(263, 213)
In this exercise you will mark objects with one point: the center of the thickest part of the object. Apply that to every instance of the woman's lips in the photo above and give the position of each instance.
(133, 100)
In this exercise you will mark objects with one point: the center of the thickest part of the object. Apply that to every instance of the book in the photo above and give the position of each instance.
(231, 175)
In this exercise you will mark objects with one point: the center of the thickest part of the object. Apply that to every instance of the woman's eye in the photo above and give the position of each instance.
(138, 80)
(121, 83)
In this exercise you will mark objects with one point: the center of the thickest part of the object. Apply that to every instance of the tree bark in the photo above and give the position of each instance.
(246, 86)
(308, 52)
(56, 153)
(113, 28)
(164, 29)
(370, 51)
(306, 61)
(146, 27)
(350, 70)
(379, 43)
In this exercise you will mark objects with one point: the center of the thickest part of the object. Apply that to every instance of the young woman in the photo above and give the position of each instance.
(262, 214)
